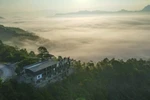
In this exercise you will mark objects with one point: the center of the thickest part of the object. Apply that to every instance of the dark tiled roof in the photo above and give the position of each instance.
(41, 65)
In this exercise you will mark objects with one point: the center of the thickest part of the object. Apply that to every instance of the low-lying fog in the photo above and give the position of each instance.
(92, 37)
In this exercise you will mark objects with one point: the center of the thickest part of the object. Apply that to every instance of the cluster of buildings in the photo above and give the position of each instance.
(46, 70)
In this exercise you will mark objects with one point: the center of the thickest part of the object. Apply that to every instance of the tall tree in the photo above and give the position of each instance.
(43, 53)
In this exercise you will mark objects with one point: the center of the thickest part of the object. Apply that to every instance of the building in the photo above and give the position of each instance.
(46, 70)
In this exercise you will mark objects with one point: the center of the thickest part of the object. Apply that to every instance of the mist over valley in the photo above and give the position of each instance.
(90, 37)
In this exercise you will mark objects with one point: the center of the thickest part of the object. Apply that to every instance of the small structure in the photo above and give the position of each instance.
(46, 70)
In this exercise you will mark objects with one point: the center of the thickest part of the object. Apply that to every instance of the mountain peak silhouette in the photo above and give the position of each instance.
(147, 8)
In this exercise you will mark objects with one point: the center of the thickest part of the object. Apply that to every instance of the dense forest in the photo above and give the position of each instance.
(109, 79)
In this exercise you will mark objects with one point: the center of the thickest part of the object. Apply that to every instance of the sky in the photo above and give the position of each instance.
(84, 37)
(70, 5)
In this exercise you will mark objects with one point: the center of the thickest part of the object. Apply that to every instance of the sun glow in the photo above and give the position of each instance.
(83, 1)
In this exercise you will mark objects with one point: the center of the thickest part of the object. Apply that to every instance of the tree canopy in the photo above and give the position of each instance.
(109, 79)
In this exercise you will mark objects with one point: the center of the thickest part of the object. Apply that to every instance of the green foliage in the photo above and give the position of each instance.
(43, 53)
(11, 54)
(8, 33)
(80, 99)
(60, 58)
(1, 43)
(32, 54)
(0, 82)
(11, 90)
(20, 32)
(105, 80)
(23, 63)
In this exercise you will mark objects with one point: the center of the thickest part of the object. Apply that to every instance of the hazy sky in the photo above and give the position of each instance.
(70, 5)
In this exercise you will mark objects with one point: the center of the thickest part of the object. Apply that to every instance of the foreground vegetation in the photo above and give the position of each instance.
(106, 80)
(21, 56)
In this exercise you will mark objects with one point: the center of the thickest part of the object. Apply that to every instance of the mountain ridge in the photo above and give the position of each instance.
(82, 12)
(1, 17)
(146, 8)
(19, 37)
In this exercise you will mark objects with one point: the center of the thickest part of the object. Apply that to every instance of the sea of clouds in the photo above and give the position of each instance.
(94, 37)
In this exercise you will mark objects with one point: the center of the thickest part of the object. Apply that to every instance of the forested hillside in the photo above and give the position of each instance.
(13, 54)
(21, 38)
(8, 33)
(1, 17)
(105, 80)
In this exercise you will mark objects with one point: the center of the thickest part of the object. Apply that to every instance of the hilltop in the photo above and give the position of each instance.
(19, 37)
(11, 32)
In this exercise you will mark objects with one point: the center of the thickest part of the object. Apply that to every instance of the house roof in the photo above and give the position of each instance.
(41, 65)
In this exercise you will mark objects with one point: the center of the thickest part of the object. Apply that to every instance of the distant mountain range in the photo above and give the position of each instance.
(145, 9)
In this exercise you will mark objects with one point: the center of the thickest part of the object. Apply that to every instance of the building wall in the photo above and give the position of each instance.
(51, 71)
